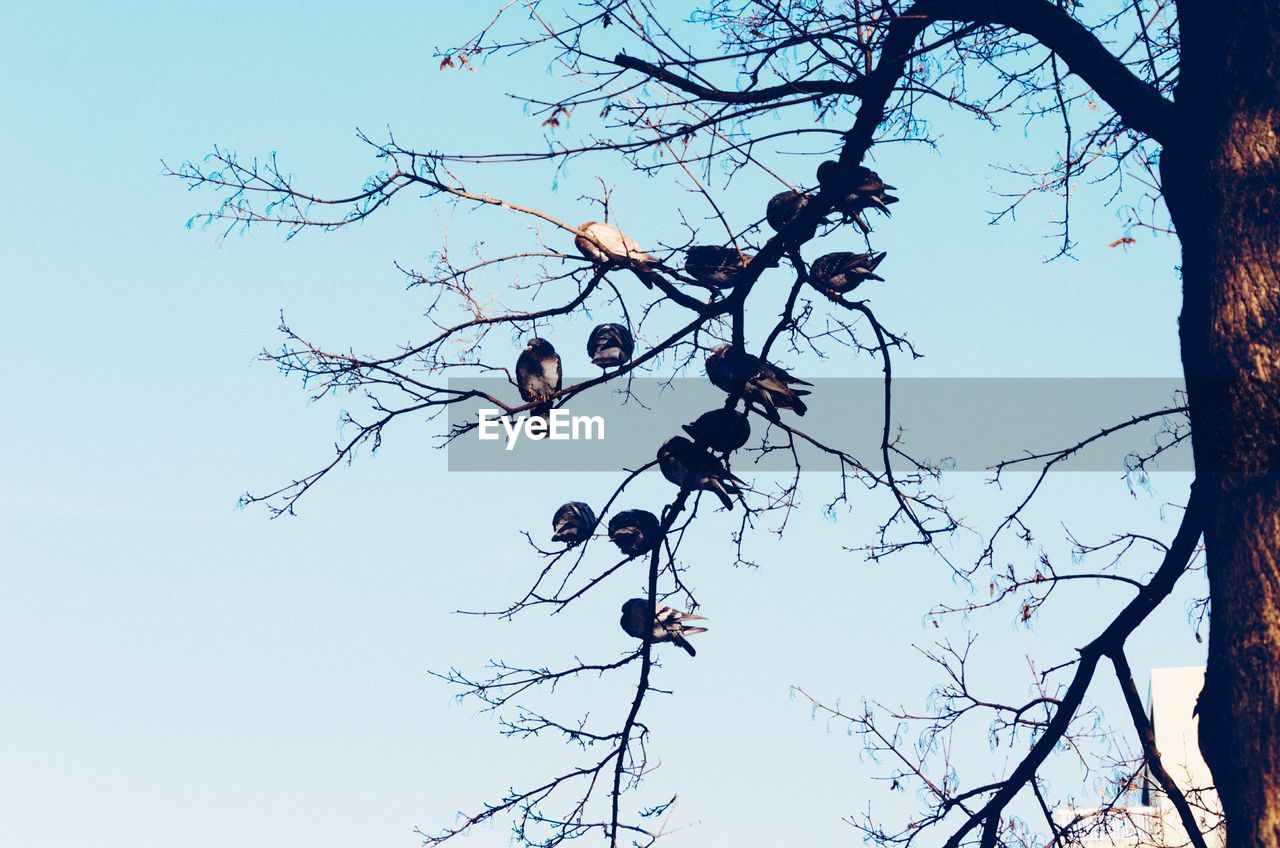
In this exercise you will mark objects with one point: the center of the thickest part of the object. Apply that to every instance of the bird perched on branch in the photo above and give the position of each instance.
(603, 243)
(668, 625)
(689, 466)
(573, 523)
(838, 273)
(723, 430)
(538, 374)
(856, 188)
(784, 208)
(731, 370)
(610, 345)
(715, 266)
(634, 531)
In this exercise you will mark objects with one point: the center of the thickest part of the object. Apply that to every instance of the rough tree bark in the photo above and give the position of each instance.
(1221, 170)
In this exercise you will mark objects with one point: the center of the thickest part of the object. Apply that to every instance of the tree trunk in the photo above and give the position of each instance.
(1221, 178)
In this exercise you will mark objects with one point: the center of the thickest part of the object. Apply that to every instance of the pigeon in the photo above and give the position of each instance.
(603, 243)
(784, 208)
(766, 385)
(837, 273)
(668, 624)
(573, 522)
(610, 345)
(635, 531)
(538, 374)
(689, 466)
(723, 430)
(856, 188)
(715, 266)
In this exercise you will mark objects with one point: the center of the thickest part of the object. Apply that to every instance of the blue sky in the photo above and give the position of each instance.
(180, 672)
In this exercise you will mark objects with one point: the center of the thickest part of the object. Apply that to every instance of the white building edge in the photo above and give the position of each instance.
(1171, 708)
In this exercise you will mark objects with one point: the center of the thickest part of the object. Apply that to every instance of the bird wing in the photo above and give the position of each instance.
(729, 476)
(525, 375)
(631, 248)
(666, 615)
(616, 242)
(785, 377)
(771, 382)
(551, 372)
(672, 468)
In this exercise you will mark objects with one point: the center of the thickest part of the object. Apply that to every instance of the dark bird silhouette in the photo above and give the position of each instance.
(838, 273)
(538, 374)
(784, 208)
(768, 386)
(634, 531)
(723, 430)
(689, 466)
(668, 625)
(604, 243)
(610, 345)
(573, 523)
(856, 189)
(715, 266)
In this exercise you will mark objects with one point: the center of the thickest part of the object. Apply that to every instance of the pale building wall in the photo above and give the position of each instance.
(1171, 708)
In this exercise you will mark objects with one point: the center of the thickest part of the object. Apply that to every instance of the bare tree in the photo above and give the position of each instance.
(1174, 102)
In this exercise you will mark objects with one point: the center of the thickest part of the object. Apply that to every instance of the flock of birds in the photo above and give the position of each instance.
(855, 189)
(692, 463)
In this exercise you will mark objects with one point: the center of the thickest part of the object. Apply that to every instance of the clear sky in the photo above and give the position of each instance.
(178, 672)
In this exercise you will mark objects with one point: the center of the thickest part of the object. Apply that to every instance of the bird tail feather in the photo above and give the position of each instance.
(646, 277)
